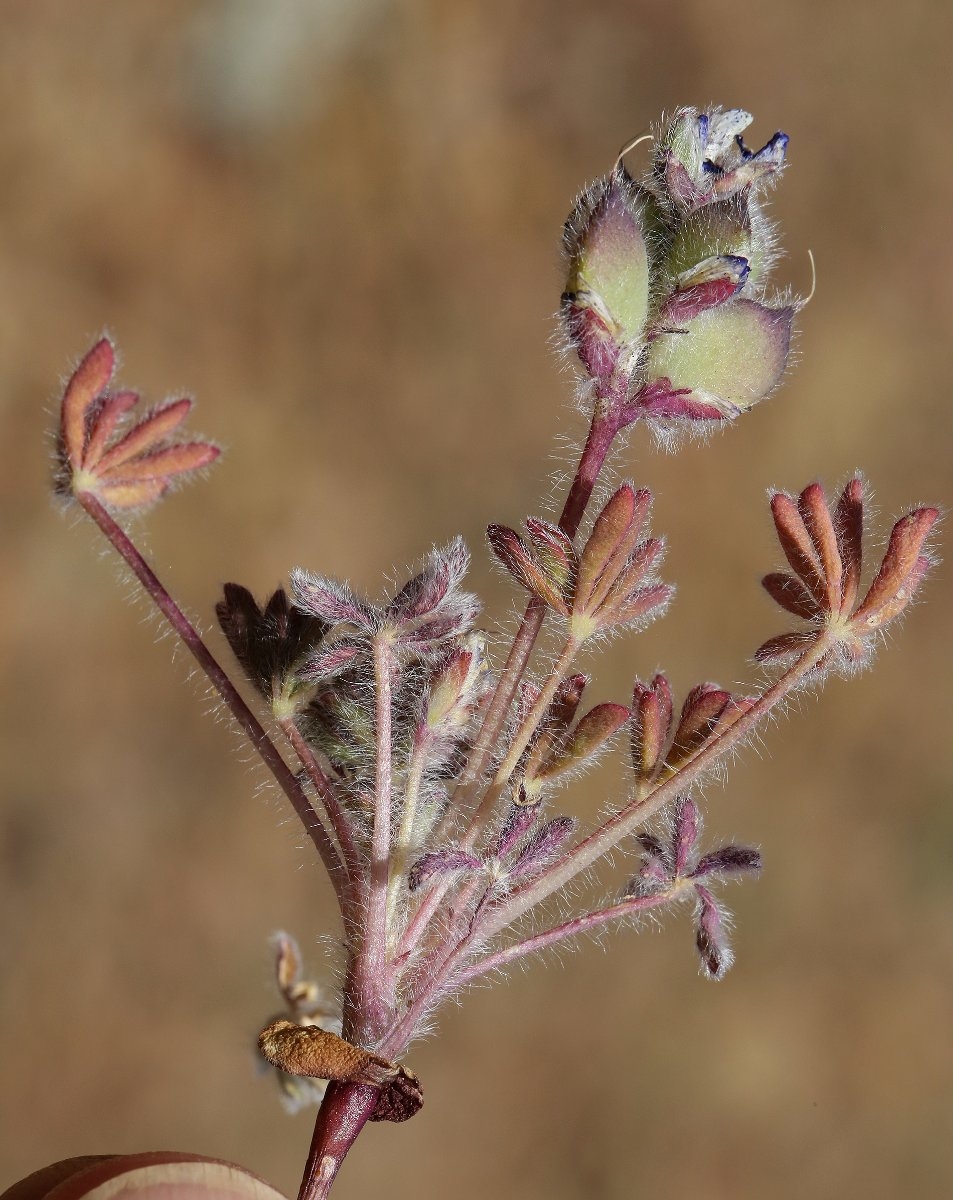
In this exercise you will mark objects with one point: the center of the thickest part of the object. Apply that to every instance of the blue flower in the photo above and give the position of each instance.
(702, 157)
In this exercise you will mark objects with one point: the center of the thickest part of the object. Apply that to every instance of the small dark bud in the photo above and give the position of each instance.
(330, 601)
(542, 847)
(711, 937)
(520, 820)
(651, 726)
(269, 644)
(729, 860)
(703, 707)
(441, 862)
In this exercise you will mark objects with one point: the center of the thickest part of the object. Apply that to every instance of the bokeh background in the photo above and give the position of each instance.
(336, 222)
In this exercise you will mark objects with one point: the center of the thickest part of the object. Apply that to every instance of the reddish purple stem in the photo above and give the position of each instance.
(247, 721)
(345, 1110)
(606, 423)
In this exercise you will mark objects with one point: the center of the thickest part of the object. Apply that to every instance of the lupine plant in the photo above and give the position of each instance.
(424, 751)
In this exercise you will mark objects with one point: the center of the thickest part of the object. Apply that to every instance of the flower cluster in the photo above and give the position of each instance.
(666, 299)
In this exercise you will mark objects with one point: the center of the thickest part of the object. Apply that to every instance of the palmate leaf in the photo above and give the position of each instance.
(124, 468)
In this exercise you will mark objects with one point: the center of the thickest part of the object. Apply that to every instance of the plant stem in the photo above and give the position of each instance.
(339, 819)
(246, 719)
(529, 724)
(634, 815)
(568, 929)
(600, 842)
(367, 994)
(405, 835)
(521, 740)
(344, 1112)
(602, 432)
(381, 838)
(598, 443)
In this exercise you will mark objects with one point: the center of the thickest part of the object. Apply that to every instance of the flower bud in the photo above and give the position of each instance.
(651, 726)
(716, 229)
(454, 683)
(710, 282)
(726, 358)
(542, 847)
(606, 301)
(711, 935)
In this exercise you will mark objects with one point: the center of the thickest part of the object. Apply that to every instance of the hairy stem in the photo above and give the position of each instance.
(380, 843)
(338, 818)
(344, 1112)
(601, 841)
(368, 991)
(521, 740)
(449, 974)
(549, 937)
(492, 795)
(634, 815)
(246, 719)
(530, 722)
(602, 432)
(405, 835)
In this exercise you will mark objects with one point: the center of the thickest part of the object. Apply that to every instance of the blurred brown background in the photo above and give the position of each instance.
(336, 222)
